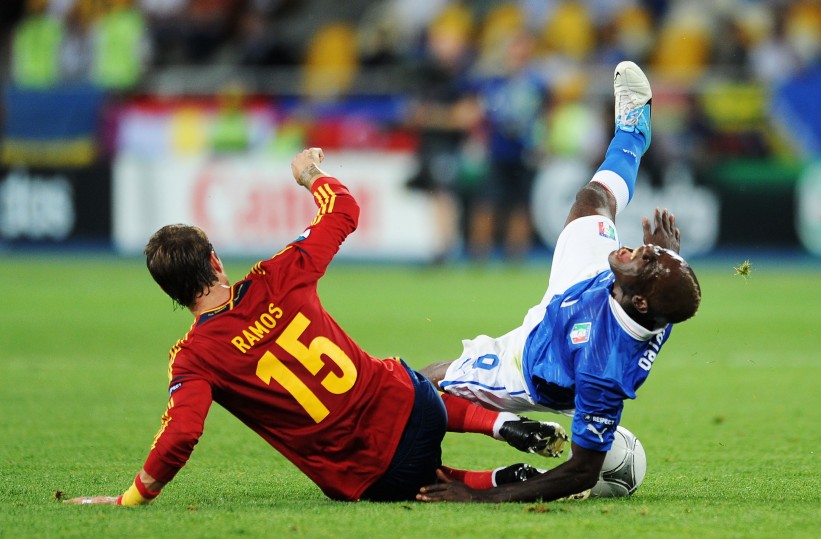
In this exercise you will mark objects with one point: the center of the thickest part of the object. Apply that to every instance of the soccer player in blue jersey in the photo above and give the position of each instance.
(592, 340)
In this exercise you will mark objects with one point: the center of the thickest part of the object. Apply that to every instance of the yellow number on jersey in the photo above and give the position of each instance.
(270, 367)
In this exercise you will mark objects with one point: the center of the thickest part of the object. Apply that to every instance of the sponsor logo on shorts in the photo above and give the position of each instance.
(173, 388)
(580, 333)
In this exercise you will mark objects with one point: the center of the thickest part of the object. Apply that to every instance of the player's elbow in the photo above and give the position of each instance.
(354, 215)
(587, 479)
(347, 208)
(585, 466)
(580, 480)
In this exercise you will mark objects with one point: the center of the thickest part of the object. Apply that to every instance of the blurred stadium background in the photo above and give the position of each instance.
(120, 116)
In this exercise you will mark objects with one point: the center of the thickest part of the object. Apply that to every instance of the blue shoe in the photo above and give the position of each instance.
(633, 95)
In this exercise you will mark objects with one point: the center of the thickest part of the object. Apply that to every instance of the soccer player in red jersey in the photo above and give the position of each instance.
(266, 350)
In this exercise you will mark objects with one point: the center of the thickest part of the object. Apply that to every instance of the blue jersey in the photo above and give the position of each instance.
(587, 355)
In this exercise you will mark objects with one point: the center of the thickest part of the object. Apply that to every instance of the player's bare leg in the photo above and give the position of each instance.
(436, 372)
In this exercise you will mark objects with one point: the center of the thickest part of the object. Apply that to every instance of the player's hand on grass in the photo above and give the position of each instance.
(93, 500)
(664, 232)
(448, 490)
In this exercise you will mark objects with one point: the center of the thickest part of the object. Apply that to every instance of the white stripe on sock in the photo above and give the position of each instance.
(616, 185)
(503, 417)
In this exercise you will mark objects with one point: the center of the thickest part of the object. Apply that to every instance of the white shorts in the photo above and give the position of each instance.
(489, 371)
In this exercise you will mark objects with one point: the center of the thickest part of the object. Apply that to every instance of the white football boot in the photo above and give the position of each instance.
(633, 94)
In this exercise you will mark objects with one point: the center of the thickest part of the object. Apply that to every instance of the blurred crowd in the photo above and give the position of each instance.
(114, 42)
(494, 87)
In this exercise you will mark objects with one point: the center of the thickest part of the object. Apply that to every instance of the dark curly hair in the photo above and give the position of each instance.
(179, 259)
(680, 298)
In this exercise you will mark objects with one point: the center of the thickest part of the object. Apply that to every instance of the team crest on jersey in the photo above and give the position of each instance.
(304, 235)
(580, 333)
(173, 388)
(606, 230)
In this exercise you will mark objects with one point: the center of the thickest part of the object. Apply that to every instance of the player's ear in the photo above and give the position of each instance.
(640, 303)
(216, 263)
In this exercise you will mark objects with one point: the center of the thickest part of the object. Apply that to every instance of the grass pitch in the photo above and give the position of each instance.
(729, 416)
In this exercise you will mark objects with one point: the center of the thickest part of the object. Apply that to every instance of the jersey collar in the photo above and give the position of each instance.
(630, 326)
(237, 293)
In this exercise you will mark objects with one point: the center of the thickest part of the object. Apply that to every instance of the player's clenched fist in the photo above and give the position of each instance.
(305, 166)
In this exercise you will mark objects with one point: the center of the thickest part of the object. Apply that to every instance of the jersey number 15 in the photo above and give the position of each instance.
(270, 367)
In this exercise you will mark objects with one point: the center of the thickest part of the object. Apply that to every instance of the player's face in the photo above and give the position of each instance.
(637, 270)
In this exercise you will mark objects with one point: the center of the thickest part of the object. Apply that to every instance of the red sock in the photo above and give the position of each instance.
(477, 480)
(464, 416)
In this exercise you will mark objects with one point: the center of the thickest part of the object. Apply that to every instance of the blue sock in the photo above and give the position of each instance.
(620, 168)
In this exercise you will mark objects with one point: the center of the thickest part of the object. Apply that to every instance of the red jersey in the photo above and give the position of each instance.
(275, 359)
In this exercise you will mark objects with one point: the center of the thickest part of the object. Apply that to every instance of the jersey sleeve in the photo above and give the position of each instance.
(182, 423)
(337, 216)
(598, 412)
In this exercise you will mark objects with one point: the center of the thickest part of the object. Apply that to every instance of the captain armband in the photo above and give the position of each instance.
(137, 494)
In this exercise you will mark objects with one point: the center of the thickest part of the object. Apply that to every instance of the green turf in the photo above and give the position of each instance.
(729, 416)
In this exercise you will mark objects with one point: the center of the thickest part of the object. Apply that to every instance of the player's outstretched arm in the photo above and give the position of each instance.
(144, 489)
(337, 214)
(95, 500)
(664, 232)
(578, 474)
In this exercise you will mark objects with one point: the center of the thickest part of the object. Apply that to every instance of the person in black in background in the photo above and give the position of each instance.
(443, 116)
